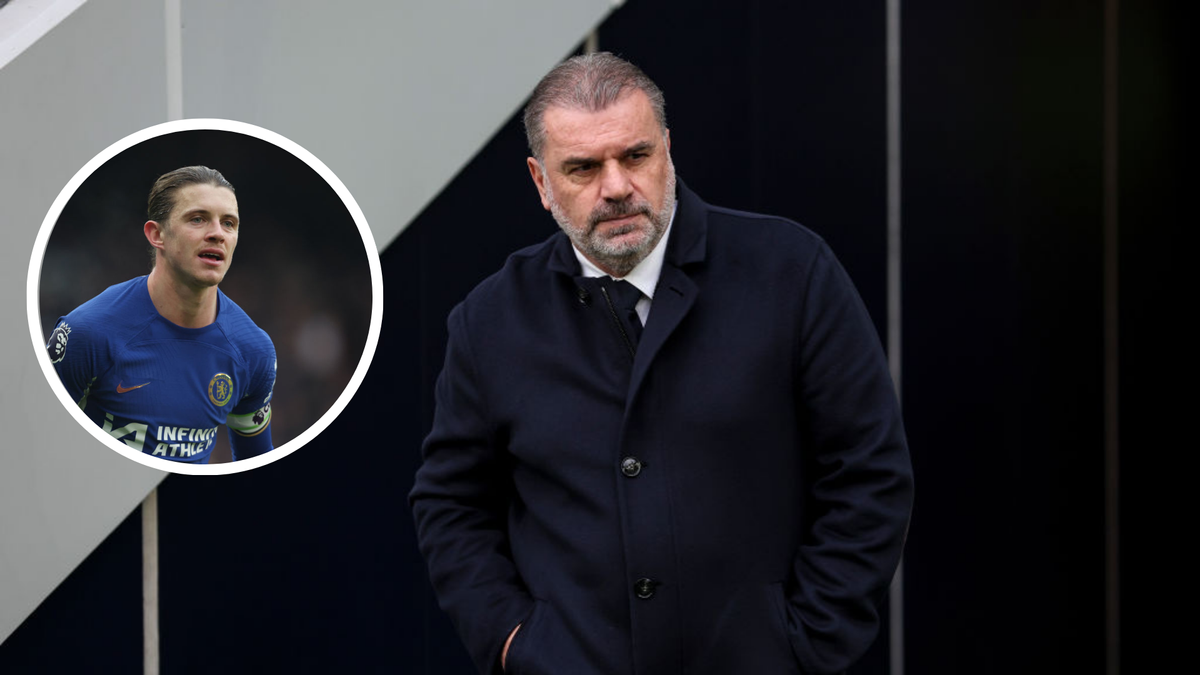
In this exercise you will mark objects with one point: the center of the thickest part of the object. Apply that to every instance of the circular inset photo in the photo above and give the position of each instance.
(207, 296)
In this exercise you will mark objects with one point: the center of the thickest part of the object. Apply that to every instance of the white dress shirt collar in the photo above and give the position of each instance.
(645, 275)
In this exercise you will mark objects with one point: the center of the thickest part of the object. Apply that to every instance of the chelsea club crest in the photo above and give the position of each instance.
(220, 388)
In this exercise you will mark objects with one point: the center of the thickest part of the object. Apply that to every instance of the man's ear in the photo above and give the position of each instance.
(154, 233)
(539, 179)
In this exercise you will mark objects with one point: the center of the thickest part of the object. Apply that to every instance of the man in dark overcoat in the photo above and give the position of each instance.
(665, 439)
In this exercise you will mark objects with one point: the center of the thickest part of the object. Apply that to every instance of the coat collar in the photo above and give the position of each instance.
(689, 234)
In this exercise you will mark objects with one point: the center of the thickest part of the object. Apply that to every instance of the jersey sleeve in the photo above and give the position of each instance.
(76, 358)
(250, 421)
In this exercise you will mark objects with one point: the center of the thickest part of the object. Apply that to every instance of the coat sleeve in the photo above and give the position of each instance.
(460, 502)
(859, 491)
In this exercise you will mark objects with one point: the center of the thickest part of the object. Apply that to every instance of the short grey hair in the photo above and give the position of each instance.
(590, 82)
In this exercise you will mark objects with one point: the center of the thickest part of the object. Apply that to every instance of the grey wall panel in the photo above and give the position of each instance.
(394, 97)
(24, 23)
(395, 100)
(93, 79)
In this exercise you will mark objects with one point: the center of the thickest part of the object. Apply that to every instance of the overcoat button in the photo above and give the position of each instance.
(644, 588)
(631, 466)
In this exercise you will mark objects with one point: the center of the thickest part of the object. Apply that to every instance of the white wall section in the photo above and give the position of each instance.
(25, 21)
(95, 77)
(396, 100)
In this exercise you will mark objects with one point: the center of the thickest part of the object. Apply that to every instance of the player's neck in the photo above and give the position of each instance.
(180, 303)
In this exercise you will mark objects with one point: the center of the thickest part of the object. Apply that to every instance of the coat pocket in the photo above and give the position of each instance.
(749, 635)
(516, 663)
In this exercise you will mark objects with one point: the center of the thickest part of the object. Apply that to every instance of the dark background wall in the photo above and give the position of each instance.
(1003, 340)
(310, 565)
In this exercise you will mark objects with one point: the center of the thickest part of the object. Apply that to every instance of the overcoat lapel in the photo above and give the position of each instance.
(676, 291)
(673, 297)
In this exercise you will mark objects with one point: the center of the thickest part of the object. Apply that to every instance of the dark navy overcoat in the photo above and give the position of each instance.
(732, 499)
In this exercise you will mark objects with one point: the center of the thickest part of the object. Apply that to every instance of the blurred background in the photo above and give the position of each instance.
(300, 270)
(1043, 171)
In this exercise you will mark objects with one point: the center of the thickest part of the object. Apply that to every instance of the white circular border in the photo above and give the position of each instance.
(34, 280)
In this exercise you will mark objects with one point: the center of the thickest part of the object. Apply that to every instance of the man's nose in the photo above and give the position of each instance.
(615, 185)
(216, 232)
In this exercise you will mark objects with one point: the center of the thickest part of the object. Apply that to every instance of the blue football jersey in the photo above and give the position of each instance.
(163, 389)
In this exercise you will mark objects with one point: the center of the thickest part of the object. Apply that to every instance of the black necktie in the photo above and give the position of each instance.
(625, 298)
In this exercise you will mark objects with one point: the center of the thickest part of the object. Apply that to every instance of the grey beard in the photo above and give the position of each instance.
(619, 263)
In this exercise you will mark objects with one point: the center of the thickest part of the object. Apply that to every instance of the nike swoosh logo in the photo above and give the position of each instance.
(122, 390)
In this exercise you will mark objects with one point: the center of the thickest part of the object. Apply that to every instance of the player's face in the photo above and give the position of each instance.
(608, 180)
(198, 243)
